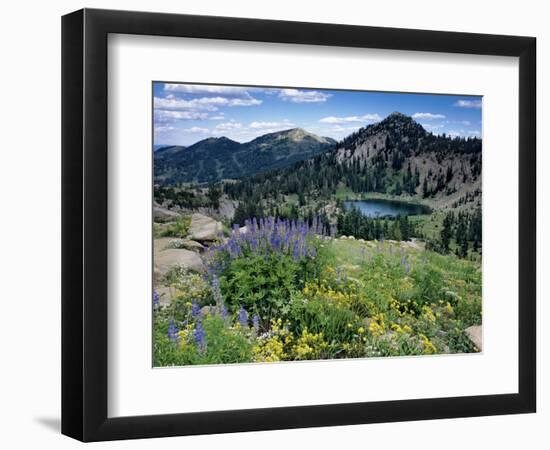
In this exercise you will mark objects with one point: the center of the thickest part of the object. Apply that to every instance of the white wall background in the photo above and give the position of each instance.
(30, 226)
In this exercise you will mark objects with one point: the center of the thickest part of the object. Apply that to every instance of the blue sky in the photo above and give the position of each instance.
(187, 113)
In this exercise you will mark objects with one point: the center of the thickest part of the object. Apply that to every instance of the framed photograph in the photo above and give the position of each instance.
(273, 224)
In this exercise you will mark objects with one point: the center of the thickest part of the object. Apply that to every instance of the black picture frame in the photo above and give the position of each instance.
(84, 224)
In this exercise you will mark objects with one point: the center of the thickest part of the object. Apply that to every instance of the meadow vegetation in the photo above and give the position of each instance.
(281, 290)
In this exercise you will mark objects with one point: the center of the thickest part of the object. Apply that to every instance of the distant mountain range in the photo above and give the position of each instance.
(215, 159)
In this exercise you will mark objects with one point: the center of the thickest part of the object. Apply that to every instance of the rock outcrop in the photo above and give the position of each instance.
(204, 228)
(166, 259)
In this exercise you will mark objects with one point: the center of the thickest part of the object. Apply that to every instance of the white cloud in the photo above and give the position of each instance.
(249, 101)
(220, 116)
(298, 96)
(427, 116)
(468, 103)
(335, 131)
(202, 104)
(176, 104)
(351, 119)
(205, 89)
(261, 125)
(232, 125)
(195, 130)
(164, 128)
(163, 116)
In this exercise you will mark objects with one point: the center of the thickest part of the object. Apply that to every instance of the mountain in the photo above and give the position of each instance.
(214, 159)
(395, 156)
(159, 146)
(167, 149)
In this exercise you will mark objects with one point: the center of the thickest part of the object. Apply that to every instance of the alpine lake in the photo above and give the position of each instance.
(379, 208)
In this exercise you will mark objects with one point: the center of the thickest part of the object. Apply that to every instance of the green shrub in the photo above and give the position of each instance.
(263, 285)
(179, 228)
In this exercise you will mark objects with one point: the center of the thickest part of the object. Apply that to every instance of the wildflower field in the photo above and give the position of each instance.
(280, 290)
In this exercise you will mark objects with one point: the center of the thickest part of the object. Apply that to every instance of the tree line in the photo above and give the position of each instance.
(462, 228)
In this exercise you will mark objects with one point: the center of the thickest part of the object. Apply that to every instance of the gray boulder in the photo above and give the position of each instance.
(475, 335)
(169, 258)
(204, 228)
(186, 244)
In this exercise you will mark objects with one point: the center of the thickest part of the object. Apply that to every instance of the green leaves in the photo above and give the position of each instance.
(261, 284)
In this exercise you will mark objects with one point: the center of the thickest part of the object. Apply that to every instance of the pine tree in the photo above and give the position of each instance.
(446, 233)
(425, 191)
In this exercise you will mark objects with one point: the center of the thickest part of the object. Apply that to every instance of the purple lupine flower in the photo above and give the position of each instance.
(173, 331)
(195, 309)
(200, 337)
(256, 323)
(319, 229)
(156, 299)
(217, 294)
(253, 244)
(303, 249)
(242, 317)
(223, 312)
(296, 251)
(276, 242)
(312, 252)
(287, 241)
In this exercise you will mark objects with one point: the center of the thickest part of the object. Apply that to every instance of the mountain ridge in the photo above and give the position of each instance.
(395, 157)
(215, 158)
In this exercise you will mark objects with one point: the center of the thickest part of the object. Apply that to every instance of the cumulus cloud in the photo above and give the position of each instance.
(177, 104)
(468, 103)
(202, 104)
(301, 96)
(162, 116)
(226, 126)
(164, 128)
(351, 119)
(427, 116)
(205, 89)
(248, 101)
(195, 130)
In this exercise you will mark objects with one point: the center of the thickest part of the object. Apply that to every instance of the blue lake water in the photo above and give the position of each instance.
(386, 208)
